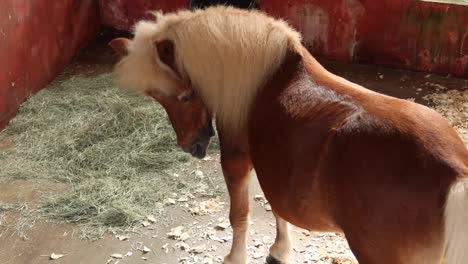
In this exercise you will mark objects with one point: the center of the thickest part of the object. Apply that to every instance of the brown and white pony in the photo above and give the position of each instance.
(329, 154)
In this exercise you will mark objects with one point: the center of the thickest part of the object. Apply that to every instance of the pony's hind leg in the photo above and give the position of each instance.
(236, 169)
(281, 249)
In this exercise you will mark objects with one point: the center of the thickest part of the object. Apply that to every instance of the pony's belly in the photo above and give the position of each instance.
(302, 207)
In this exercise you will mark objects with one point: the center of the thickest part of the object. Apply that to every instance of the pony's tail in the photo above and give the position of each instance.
(456, 223)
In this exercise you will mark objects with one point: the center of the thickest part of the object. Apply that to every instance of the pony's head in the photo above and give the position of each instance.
(202, 63)
(189, 118)
(148, 66)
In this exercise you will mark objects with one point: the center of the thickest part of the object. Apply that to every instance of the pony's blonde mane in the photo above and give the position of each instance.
(226, 54)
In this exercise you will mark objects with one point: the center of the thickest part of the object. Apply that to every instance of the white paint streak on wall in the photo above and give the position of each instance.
(463, 41)
(314, 25)
(356, 10)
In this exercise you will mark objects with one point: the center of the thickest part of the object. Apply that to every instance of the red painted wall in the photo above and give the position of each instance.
(37, 40)
(408, 34)
(122, 14)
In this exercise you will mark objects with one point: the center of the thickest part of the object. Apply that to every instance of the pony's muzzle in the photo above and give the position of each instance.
(199, 146)
(198, 150)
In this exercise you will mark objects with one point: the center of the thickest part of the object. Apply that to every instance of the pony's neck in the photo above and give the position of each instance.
(229, 83)
(228, 60)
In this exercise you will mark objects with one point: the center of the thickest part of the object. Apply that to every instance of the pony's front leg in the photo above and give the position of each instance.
(236, 169)
(281, 249)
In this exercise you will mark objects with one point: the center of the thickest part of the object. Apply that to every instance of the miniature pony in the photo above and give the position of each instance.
(330, 155)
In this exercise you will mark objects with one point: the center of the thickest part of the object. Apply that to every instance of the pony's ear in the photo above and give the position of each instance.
(166, 53)
(120, 46)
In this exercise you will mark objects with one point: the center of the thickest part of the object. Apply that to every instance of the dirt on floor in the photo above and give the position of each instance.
(192, 230)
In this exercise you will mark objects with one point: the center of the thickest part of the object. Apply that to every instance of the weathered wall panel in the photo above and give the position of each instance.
(122, 14)
(409, 34)
(37, 39)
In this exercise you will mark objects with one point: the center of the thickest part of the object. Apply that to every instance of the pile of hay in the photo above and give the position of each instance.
(114, 152)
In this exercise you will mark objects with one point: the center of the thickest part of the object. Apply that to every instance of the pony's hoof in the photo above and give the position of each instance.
(272, 260)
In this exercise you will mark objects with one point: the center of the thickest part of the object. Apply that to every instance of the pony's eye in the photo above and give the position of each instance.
(185, 96)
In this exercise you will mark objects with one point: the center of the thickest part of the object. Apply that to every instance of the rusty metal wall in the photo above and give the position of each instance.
(122, 14)
(409, 34)
(37, 40)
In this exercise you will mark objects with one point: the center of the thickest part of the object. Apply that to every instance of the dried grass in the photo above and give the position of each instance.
(453, 105)
(115, 152)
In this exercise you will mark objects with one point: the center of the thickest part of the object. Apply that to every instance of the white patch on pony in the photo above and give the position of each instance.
(227, 55)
